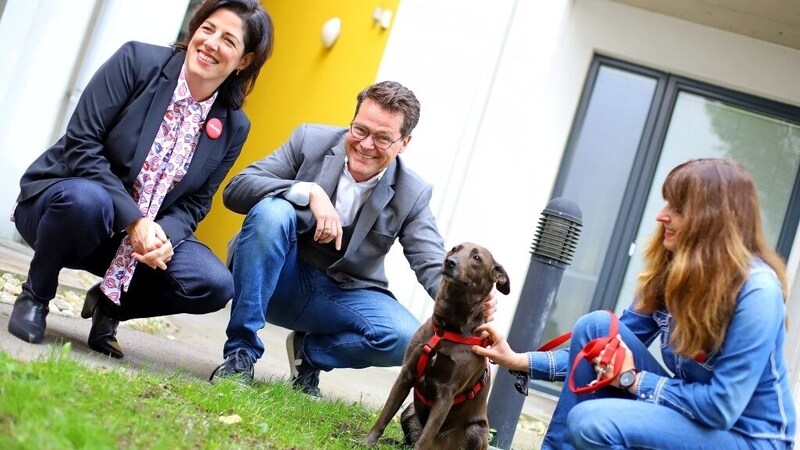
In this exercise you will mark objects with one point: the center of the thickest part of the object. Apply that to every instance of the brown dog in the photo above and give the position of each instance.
(451, 383)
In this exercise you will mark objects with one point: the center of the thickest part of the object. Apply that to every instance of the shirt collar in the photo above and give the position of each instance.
(371, 182)
(182, 94)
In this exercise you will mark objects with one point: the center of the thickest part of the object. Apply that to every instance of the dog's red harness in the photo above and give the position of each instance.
(427, 349)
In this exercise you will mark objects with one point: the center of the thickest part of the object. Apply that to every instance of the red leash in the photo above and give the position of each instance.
(590, 352)
(422, 364)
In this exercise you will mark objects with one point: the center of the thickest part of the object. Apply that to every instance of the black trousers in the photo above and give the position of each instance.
(69, 225)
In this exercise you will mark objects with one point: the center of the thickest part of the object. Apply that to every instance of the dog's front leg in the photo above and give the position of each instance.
(402, 386)
(435, 420)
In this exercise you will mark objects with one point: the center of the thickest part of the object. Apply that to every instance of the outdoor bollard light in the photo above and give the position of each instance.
(552, 250)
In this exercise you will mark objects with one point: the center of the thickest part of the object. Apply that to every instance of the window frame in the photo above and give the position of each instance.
(645, 162)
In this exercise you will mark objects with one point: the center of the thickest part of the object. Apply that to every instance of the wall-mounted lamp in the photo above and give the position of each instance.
(330, 31)
(382, 16)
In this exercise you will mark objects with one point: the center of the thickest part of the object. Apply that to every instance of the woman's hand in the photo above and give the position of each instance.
(329, 225)
(489, 307)
(161, 254)
(499, 351)
(607, 371)
(145, 235)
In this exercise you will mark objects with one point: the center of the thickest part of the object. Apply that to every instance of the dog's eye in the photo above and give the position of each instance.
(477, 258)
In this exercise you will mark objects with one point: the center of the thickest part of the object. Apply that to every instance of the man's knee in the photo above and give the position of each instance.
(271, 218)
(271, 210)
(392, 342)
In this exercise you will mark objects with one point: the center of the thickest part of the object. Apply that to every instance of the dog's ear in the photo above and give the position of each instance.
(501, 278)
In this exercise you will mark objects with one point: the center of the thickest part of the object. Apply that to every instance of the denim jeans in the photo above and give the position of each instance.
(69, 224)
(610, 418)
(347, 328)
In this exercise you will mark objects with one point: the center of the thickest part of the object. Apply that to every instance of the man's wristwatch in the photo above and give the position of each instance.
(627, 378)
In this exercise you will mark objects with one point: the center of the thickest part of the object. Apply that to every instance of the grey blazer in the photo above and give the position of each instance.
(398, 207)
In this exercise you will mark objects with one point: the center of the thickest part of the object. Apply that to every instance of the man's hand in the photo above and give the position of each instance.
(329, 226)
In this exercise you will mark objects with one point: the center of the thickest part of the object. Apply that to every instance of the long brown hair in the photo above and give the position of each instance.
(258, 39)
(722, 233)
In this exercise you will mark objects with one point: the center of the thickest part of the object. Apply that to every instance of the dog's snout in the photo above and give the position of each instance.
(450, 263)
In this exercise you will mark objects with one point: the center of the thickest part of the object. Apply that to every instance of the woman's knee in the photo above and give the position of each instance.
(589, 425)
(218, 287)
(592, 325)
(69, 205)
(84, 201)
(220, 292)
(202, 276)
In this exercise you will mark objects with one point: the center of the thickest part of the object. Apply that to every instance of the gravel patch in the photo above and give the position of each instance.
(69, 301)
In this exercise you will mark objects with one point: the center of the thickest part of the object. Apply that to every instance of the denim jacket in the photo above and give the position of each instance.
(743, 386)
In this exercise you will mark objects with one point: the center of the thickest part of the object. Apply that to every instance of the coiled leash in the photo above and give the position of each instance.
(614, 353)
(430, 346)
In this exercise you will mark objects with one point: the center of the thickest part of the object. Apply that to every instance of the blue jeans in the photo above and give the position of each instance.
(347, 328)
(69, 224)
(610, 418)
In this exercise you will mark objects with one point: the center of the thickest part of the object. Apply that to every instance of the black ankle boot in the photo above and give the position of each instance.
(104, 314)
(27, 320)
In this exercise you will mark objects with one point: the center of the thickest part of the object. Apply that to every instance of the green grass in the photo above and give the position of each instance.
(58, 403)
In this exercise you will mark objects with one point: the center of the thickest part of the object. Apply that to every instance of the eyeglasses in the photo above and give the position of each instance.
(381, 141)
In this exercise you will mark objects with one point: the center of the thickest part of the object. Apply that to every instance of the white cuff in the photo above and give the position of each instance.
(299, 193)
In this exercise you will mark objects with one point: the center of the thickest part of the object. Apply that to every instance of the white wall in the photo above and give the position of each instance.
(449, 53)
(39, 41)
(491, 137)
(50, 50)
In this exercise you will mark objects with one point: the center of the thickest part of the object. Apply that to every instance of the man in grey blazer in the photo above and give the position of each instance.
(322, 213)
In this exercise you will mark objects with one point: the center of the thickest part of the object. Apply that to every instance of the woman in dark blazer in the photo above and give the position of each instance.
(121, 192)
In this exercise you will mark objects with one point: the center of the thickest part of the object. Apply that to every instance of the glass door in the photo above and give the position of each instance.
(702, 127)
(633, 124)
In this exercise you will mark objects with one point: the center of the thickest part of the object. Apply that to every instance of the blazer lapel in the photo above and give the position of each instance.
(155, 115)
(205, 148)
(332, 167)
(375, 203)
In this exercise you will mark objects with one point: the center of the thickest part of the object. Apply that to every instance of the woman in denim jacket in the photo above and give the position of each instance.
(715, 292)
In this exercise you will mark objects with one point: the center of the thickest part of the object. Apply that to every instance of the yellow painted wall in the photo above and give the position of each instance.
(303, 82)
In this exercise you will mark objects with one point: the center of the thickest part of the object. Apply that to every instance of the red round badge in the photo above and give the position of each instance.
(214, 128)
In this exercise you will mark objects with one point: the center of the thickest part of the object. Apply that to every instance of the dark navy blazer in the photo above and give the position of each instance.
(113, 127)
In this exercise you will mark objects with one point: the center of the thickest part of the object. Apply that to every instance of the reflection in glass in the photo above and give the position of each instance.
(700, 127)
(597, 171)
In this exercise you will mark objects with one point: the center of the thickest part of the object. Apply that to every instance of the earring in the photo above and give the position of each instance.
(237, 72)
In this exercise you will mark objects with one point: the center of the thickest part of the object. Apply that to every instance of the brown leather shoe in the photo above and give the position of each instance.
(27, 320)
(102, 336)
